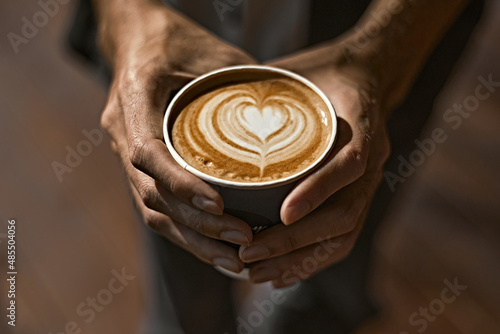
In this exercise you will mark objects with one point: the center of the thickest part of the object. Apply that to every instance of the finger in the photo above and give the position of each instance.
(152, 157)
(307, 261)
(155, 197)
(345, 164)
(224, 227)
(303, 263)
(206, 249)
(337, 217)
(144, 101)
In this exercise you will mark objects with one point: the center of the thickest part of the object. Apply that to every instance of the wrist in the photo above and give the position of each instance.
(121, 27)
(394, 38)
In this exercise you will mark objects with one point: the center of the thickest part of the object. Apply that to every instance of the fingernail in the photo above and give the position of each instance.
(235, 237)
(297, 211)
(254, 253)
(264, 274)
(207, 205)
(227, 264)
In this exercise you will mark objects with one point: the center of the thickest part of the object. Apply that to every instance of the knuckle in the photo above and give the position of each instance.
(149, 195)
(111, 113)
(151, 220)
(172, 183)
(339, 227)
(147, 76)
(351, 221)
(290, 243)
(107, 119)
(349, 218)
(356, 159)
(198, 225)
(361, 200)
(114, 147)
(187, 213)
(137, 150)
(133, 76)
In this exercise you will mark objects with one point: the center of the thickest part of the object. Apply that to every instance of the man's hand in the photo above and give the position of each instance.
(324, 213)
(154, 52)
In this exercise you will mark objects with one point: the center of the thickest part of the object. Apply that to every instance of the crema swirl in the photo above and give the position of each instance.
(254, 131)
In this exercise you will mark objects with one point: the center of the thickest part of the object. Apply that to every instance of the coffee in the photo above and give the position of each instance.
(256, 131)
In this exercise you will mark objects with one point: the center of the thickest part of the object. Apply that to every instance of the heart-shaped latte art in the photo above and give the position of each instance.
(260, 124)
(251, 129)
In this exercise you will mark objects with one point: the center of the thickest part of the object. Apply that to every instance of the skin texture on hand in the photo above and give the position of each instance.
(154, 51)
(163, 51)
(325, 212)
(329, 206)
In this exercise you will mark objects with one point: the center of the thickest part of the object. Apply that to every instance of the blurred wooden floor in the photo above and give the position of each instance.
(445, 222)
(72, 234)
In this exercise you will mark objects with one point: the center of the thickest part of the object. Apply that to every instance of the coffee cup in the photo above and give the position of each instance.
(251, 132)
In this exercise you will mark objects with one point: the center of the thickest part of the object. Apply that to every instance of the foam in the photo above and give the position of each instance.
(255, 131)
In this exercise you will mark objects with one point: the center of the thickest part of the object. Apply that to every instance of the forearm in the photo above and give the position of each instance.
(394, 38)
(119, 22)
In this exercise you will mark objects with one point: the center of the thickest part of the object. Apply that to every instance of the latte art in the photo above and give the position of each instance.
(251, 132)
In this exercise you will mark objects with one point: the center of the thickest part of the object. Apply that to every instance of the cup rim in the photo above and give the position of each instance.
(248, 185)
